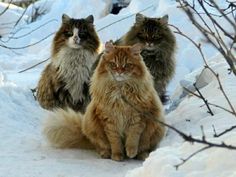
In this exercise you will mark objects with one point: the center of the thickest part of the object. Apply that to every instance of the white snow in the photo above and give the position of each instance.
(24, 151)
(209, 163)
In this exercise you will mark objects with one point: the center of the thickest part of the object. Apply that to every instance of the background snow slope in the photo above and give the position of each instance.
(23, 150)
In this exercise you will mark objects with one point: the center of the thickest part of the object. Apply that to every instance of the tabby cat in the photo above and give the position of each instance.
(159, 50)
(64, 81)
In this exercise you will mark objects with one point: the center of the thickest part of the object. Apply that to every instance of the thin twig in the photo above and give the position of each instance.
(26, 46)
(190, 156)
(124, 18)
(224, 132)
(204, 100)
(8, 6)
(212, 104)
(34, 65)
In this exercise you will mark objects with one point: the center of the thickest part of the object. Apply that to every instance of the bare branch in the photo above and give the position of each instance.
(190, 156)
(8, 6)
(204, 100)
(224, 132)
(26, 46)
(34, 66)
(209, 32)
(123, 18)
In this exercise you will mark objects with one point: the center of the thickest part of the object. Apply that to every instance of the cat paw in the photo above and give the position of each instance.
(117, 157)
(131, 152)
(142, 155)
(105, 154)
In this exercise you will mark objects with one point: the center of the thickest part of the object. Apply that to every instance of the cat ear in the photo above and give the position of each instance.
(89, 19)
(136, 49)
(139, 18)
(109, 47)
(65, 18)
(165, 19)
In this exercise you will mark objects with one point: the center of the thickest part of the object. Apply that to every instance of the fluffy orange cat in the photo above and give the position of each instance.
(122, 118)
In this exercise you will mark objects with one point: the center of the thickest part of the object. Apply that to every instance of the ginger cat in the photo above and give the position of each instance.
(122, 118)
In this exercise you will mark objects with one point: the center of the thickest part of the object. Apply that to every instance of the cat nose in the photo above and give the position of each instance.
(120, 70)
(76, 38)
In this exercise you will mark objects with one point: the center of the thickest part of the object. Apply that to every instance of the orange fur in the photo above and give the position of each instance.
(121, 117)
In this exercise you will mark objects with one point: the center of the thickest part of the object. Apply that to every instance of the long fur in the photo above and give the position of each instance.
(121, 117)
(65, 80)
(74, 69)
(62, 129)
(160, 57)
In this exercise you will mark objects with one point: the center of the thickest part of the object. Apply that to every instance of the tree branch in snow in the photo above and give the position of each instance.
(193, 140)
(224, 132)
(34, 65)
(8, 6)
(26, 46)
(13, 35)
(19, 19)
(212, 104)
(204, 100)
(151, 6)
(190, 156)
(213, 33)
(199, 47)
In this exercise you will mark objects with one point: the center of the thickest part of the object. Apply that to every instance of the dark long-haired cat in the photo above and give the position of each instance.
(122, 118)
(158, 53)
(64, 81)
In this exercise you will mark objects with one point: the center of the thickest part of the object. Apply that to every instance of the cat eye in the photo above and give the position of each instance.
(112, 65)
(157, 37)
(68, 33)
(82, 35)
(129, 66)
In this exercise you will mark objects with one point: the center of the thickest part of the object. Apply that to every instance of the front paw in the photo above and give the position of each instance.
(105, 154)
(117, 156)
(131, 152)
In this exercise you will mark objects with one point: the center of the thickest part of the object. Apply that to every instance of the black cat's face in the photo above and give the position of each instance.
(150, 31)
(76, 33)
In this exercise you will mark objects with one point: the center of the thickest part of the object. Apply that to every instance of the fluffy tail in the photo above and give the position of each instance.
(62, 128)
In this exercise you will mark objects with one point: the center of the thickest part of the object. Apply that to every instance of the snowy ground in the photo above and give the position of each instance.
(23, 150)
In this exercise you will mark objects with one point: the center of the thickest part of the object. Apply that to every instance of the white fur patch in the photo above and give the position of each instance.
(120, 77)
(74, 40)
(74, 68)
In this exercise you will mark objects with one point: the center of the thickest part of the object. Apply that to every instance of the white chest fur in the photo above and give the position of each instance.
(74, 68)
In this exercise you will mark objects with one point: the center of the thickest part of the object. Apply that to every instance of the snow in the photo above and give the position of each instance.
(9, 18)
(212, 162)
(24, 151)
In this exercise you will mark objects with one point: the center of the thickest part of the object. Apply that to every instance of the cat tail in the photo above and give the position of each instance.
(62, 129)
